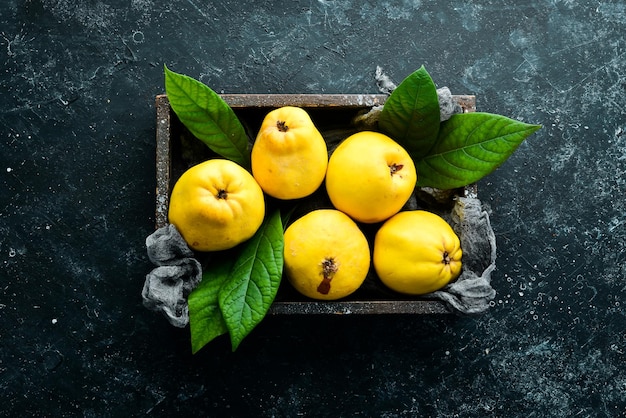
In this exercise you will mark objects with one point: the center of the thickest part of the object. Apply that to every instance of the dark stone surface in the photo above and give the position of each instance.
(77, 185)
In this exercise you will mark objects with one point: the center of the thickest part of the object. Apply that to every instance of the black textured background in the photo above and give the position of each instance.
(77, 179)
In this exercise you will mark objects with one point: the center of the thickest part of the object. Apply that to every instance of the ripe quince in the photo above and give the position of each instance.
(370, 177)
(289, 156)
(326, 255)
(216, 205)
(416, 252)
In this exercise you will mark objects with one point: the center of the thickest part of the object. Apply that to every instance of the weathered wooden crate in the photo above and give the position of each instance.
(177, 149)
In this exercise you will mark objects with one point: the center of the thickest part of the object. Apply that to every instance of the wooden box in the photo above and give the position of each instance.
(177, 149)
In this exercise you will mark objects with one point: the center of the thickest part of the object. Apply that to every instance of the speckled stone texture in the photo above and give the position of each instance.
(77, 188)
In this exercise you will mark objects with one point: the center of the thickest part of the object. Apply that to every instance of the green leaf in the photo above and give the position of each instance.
(286, 216)
(205, 318)
(248, 294)
(411, 114)
(208, 117)
(470, 146)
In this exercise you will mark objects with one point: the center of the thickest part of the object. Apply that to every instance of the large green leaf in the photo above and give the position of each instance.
(249, 292)
(470, 146)
(411, 114)
(208, 117)
(205, 318)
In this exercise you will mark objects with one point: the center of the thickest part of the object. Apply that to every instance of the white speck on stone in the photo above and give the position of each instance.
(54, 321)
(9, 169)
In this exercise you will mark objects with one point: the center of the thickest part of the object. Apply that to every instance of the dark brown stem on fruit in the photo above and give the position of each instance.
(446, 258)
(222, 194)
(329, 268)
(282, 126)
(394, 168)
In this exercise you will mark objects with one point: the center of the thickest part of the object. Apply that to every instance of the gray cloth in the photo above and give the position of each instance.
(384, 82)
(168, 286)
(447, 105)
(471, 292)
(166, 245)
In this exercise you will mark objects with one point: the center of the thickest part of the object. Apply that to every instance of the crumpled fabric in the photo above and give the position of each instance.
(168, 286)
(166, 245)
(383, 81)
(447, 105)
(471, 292)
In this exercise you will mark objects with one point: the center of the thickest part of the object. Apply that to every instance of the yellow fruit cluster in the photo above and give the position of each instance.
(369, 178)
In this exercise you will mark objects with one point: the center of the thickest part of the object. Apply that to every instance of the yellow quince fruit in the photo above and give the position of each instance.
(216, 205)
(326, 256)
(370, 177)
(416, 252)
(289, 156)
